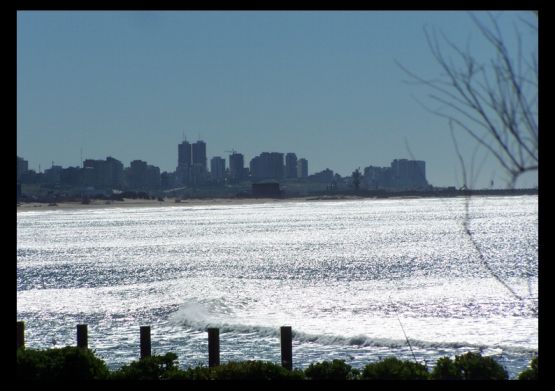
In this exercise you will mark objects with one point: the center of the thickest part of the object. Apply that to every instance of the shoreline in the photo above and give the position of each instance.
(171, 202)
(134, 203)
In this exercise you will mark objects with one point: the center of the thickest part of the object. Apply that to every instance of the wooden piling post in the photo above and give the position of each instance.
(286, 347)
(20, 334)
(82, 336)
(213, 347)
(145, 342)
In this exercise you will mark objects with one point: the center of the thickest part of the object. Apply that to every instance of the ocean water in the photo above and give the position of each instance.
(357, 280)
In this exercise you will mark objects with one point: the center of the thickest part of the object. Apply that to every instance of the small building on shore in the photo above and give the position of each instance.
(270, 189)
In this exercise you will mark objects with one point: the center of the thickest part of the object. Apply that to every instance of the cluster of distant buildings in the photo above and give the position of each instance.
(192, 168)
(95, 174)
(192, 171)
(403, 174)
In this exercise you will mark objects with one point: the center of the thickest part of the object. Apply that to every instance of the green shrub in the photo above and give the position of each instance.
(254, 370)
(198, 373)
(530, 373)
(72, 363)
(392, 368)
(469, 366)
(150, 368)
(446, 369)
(68, 363)
(331, 370)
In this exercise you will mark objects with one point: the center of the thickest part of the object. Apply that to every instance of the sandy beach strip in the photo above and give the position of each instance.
(134, 203)
(168, 202)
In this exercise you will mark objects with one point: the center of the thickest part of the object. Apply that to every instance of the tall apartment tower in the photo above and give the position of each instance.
(199, 154)
(217, 168)
(419, 173)
(184, 163)
(302, 168)
(291, 165)
(115, 172)
(137, 174)
(184, 156)
(22, 167)
(276, 164)
(236, 166)
(409, 174)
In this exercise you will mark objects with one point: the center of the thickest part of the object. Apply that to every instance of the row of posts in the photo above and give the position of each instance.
(213, 343)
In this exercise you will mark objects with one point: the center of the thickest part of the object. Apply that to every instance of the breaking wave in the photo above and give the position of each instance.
(199, 316)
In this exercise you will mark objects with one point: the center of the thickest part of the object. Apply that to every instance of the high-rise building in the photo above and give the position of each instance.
(409, 174)
(418, 172)
(115, 169)
(277, 166)
(291, 165)
(103, 174)
(152, 177)
(142, 176)
(376, 177)
(217, 168)
(400, 172)
(403, 174)
(267, 165)
(184, 156)
(136, 175)
(184, 163)
(302, 168)
(197, 172)
(22, 167)
(199, 154)
(236, 167)
(96, 173)
(255, 166)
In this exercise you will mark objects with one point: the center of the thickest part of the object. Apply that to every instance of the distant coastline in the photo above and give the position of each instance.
(133, 203)
(208, 201)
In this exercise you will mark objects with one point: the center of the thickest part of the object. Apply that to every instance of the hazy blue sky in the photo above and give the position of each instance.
(321, 84)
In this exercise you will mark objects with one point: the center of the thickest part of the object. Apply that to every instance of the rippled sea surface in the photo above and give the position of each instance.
(356, 280)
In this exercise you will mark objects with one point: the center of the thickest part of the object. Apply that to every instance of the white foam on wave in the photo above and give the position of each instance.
(199, 315)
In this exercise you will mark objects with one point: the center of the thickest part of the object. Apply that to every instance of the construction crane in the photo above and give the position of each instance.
(233, 151)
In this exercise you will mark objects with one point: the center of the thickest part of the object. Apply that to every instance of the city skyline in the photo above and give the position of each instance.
(192, 172)
(128, 84)
(181, 160)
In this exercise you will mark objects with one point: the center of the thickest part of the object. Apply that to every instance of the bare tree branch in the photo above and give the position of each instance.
(497, 98)
(495, 102)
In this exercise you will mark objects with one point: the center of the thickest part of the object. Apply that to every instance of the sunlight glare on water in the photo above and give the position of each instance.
(343, 274)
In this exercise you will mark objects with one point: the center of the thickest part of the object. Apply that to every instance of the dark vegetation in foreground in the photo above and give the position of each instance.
(72, 363)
